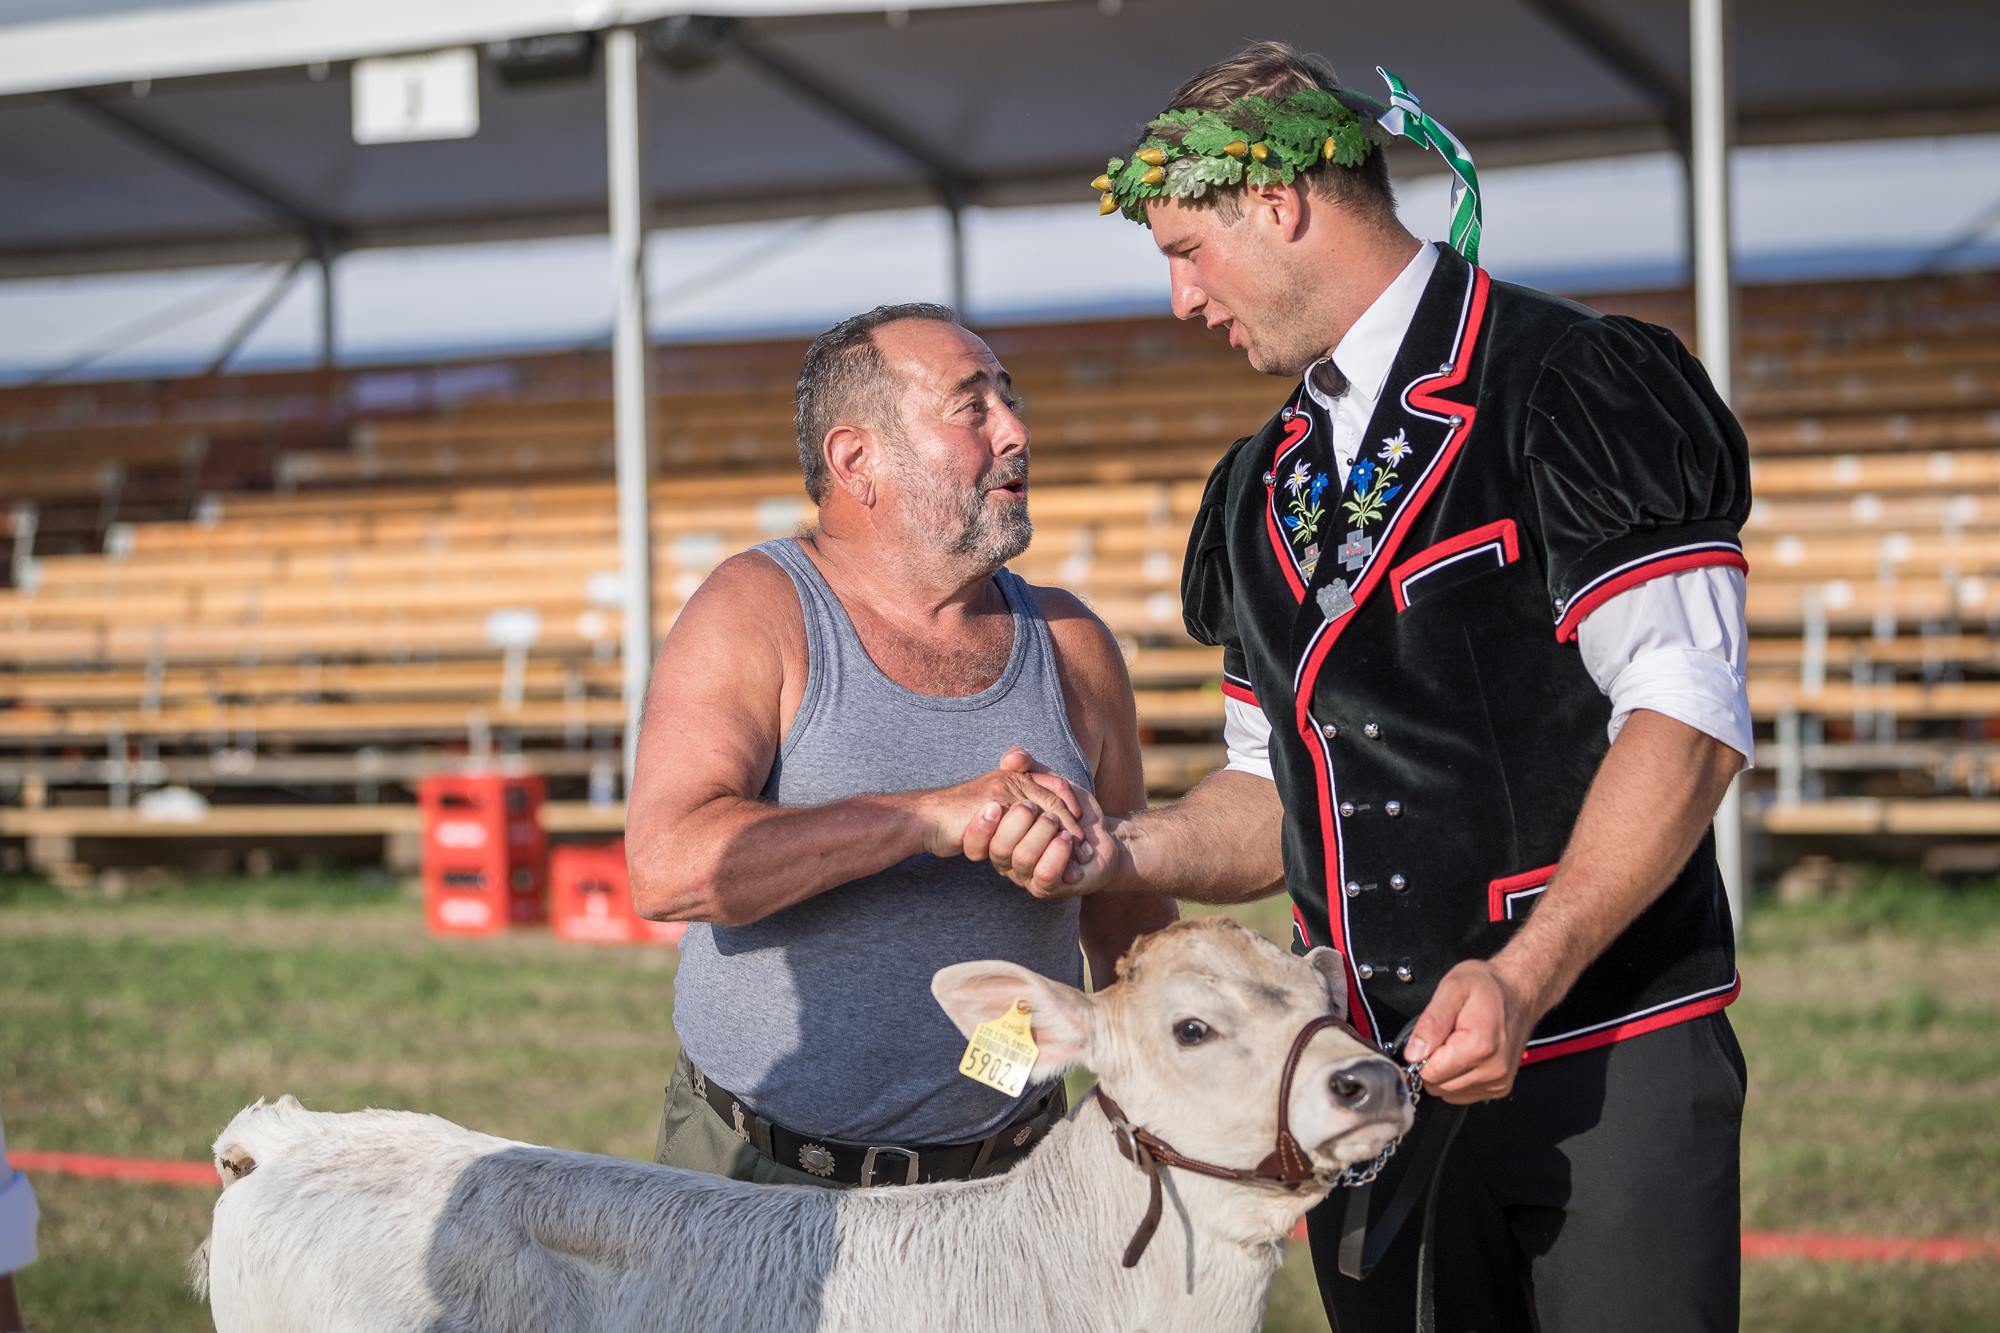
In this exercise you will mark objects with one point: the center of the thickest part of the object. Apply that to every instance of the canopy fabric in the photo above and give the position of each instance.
(149, 133)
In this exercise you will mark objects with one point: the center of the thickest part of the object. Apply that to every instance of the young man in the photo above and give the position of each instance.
(1479, 591)
(822, 724)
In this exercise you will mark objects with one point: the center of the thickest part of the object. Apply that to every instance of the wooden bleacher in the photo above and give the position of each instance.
(300, 627)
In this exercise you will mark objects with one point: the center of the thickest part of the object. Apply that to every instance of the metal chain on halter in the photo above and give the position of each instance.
(1287, 1167)
(1349, 1177)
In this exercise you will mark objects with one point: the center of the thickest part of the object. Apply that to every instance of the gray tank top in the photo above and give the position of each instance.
(820, 1016)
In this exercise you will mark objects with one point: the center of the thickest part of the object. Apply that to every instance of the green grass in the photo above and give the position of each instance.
(141, 1026)
(114, 1257)
(279, 893)
(1868, 1023)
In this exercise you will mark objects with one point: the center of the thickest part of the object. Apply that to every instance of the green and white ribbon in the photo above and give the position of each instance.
(1407, 119)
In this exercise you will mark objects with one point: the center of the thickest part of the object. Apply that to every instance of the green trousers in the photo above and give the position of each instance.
(692, 1135)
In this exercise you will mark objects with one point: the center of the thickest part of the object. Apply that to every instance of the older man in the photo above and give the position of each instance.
(823, 723)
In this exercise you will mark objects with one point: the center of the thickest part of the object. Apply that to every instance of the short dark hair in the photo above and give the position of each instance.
(845, 382)
(1273, 69)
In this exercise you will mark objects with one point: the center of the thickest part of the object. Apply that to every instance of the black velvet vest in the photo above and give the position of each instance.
(1411, 639)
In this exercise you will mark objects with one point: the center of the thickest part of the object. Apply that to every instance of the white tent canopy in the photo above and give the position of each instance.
(148, 133)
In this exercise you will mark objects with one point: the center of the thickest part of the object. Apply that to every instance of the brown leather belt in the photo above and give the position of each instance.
(882, 1163)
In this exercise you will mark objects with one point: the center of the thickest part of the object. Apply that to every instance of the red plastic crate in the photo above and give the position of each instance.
(485, 854)
(481, 897)
(590, 898)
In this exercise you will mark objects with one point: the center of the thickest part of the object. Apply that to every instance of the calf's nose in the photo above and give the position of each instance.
(1366, 1085)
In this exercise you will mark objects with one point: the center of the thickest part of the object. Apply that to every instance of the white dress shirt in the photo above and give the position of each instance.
(1674, 644)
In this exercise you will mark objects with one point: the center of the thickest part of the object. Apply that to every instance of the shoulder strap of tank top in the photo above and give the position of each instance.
(806, 581)
(1028, 620)
(830, 633)
(824, 623)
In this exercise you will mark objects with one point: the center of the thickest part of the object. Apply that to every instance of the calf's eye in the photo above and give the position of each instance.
(1190, 1032)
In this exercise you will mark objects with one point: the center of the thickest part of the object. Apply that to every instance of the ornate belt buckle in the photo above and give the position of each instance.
(909, 1170)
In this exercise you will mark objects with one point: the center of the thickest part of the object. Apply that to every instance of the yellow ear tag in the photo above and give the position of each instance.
(1002, 1051)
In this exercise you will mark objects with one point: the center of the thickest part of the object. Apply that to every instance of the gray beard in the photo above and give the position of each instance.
(988, 537)
(964, 524)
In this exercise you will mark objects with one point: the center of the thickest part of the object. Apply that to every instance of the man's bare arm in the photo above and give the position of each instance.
(700, 845)
(1221, 843)
(1097, 693)
(1654, 796)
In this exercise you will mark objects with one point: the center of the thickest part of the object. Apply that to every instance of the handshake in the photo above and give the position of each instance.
(1031, 824)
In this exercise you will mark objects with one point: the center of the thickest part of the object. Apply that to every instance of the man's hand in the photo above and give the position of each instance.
(949, 813)
(1653, 797)
(1218, 844)
(1045, 856)
(1473, 1033)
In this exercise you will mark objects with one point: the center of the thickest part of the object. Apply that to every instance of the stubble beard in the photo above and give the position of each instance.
(1296, 350)
(1288, 337)
(961, 522)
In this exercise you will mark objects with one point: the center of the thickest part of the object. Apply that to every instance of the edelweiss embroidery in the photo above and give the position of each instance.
(1306, 488)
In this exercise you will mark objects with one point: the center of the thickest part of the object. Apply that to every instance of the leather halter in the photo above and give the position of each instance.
(1286, 1166)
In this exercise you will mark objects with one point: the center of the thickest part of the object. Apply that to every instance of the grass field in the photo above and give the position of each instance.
(140, 1027)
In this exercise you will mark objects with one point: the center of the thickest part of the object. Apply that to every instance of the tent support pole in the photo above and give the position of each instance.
(1712, 99)
(250, 323)
(631, 389)
(323, 254)
(954, 211)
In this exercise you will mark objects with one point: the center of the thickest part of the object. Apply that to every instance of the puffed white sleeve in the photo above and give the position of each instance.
(1675, 645)
(1246, 735)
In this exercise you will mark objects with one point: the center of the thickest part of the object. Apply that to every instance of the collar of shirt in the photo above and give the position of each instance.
(1369, 349)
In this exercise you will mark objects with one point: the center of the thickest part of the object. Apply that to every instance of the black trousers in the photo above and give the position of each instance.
(1601, 1194)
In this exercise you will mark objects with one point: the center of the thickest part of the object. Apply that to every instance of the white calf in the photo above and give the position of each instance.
(400, 1223)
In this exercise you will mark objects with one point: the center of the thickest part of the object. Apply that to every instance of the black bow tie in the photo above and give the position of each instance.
(1326, 379)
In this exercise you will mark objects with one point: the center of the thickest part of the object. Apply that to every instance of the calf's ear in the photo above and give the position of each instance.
(1061, 1017)
(1330, 965)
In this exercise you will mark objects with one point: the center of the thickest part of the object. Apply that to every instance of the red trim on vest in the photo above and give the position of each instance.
(1301, 426)
(1503, 531)
(1239, 693)
(1666, 1018)
(1499, 890)
(1566, 628)
(1329, 839)
(1357, 1013)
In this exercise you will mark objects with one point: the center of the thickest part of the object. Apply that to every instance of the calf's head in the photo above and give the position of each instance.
(1192, 1043)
